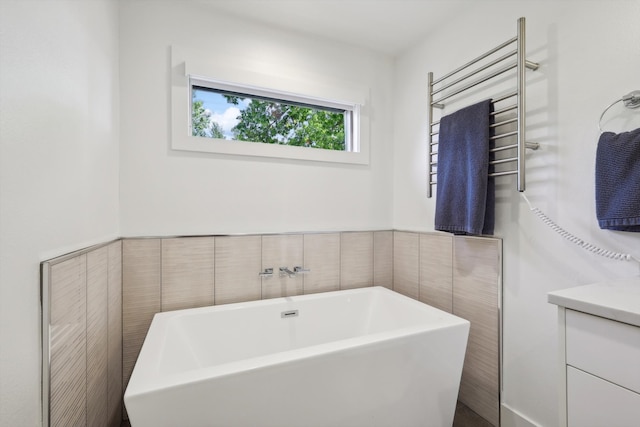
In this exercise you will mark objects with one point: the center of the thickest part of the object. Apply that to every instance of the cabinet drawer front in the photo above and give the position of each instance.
(593, 402)
(605, 348)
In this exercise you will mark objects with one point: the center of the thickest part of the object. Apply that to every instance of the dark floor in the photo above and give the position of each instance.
(464, 417)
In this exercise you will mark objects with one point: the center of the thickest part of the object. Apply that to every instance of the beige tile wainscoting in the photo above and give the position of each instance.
(82, 338)
(98, 303)
(461, 275)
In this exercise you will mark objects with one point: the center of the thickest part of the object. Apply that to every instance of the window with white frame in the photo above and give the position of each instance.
(241, 113)
(228, 108)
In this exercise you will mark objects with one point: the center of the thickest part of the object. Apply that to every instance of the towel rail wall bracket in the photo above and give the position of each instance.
(477, 72)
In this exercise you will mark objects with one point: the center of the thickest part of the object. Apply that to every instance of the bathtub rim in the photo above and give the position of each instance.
(147, 379)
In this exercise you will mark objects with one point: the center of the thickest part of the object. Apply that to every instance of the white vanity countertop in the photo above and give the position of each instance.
(616, 299)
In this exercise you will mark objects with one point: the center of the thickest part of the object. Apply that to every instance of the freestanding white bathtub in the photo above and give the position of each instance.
(362, 357)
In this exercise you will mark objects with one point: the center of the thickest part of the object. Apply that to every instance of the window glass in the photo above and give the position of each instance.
(217, 112)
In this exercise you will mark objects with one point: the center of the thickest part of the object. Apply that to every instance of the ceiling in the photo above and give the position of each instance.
(387, 26)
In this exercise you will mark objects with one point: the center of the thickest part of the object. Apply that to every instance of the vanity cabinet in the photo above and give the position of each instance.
(603, 371)
(599, 349)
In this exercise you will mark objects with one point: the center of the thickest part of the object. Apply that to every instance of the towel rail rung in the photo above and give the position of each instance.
(530, 145)
(504, 110)
(501, 161)
(504, 122)
(512, 172)
(476, 82)
(494, 137)
(503, 135)
(479, 58)
(503, 97)
(493, 162)
(476, 71)
(493, 113)
(503, 148)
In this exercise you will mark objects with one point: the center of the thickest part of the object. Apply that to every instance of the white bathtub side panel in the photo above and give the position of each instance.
(381, 384)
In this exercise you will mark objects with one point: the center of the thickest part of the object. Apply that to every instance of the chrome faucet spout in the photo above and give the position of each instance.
(284, 271)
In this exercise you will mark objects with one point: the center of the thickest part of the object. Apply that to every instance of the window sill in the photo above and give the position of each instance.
(243, 148)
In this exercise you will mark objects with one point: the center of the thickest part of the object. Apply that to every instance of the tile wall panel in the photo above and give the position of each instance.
(322, 258)
(383, 259)
(356, 259)
(477, 269)
(436, 270)
(406, 266)
(283, 250)
(68, 347)
(237, 264)
(97, 336)
(114, 336)
(147, 275)
(140, 296)
(187, 272)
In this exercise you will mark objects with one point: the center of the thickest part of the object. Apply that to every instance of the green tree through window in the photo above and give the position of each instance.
(272, 122)
(202, 123)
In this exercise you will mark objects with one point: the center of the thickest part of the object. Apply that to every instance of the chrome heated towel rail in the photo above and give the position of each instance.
(508, 120)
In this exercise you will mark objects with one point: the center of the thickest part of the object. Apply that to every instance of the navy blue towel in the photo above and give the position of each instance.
(618, 181)
(465, 202)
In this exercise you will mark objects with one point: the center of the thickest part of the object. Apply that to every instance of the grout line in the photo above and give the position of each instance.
(340, 266)
(108, 328)
(340, 261)
(213, 270)
(262, 279)
(123, 414)
(453, 282)
(373, 258)
(419, 264)
(86, 328)
(393, 260)
(160, 266)
(303, 263)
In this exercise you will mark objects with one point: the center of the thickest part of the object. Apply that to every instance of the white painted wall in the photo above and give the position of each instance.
(590, 56)
(166, 192)
(59, 159)
(58, 166)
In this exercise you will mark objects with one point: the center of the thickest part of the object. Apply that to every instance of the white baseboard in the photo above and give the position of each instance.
(509, 417)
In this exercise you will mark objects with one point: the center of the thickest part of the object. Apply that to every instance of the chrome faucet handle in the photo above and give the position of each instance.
(268, 272)
(301, 270)
(284, 271)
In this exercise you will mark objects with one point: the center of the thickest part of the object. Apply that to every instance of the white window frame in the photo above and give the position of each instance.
(352, 116)
(188, 70)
